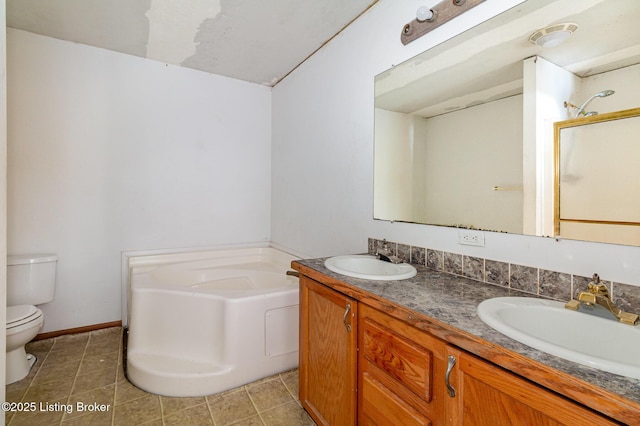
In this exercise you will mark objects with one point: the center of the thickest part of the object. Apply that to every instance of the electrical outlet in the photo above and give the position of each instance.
(470, 237)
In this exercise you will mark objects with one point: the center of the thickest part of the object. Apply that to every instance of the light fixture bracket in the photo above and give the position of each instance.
(443, 12)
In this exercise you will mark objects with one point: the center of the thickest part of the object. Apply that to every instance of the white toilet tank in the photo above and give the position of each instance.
(31, 279)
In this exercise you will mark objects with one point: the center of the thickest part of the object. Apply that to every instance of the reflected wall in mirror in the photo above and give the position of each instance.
(464, 131)
(597, 181)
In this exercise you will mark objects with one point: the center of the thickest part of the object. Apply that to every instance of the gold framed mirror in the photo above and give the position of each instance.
(597, 178)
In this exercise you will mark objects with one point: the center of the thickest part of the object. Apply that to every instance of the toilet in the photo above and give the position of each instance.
(31, 281)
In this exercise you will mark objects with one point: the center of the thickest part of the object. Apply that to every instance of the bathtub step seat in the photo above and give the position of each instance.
(165, 375)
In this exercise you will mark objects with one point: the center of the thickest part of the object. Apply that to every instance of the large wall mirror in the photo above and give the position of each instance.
(464, 132)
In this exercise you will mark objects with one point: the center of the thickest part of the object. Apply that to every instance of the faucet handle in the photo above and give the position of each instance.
(596, 288)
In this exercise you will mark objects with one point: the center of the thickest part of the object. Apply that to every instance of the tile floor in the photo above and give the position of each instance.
(87, 368)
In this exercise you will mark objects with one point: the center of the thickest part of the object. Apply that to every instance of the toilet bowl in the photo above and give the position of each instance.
(23, 324)
(31, 281)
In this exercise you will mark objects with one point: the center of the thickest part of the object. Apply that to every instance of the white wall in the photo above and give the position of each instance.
(624, 81)
(469, 152)
(322, 148)
(393, 159)
(111, 153)
(546, 87)
(322, 156)
(442, 170)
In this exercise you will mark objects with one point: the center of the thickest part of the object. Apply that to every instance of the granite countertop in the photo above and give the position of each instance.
(451, 301)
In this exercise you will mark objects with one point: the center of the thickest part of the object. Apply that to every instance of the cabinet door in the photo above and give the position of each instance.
(327, 354)
(488, 395)
(401, 371)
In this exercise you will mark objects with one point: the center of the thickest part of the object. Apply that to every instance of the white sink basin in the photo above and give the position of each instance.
(369, 267)
(586, 339)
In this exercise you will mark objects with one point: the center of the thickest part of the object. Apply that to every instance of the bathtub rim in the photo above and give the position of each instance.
(128, 258)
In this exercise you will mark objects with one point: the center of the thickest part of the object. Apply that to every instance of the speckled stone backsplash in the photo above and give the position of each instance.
(528, 279)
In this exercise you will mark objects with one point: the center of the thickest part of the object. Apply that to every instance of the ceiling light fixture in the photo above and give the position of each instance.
(553, 35)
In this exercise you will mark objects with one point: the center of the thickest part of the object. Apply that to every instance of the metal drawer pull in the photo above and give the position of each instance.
(451, 362)
(344, 318)
(293, 273)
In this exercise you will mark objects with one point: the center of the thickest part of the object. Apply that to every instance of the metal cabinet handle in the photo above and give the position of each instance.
(293, 273)
(451, 362)
(344, 317)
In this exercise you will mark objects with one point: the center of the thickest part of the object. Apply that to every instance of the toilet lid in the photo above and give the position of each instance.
(21, 314)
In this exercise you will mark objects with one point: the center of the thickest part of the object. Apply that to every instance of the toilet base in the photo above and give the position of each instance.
(19, 364)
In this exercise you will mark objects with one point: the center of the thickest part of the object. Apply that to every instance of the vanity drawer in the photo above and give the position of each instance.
(397, 366)
(381, 407)
(398, 357)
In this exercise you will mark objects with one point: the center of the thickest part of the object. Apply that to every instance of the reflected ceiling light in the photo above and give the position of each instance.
(553, 35)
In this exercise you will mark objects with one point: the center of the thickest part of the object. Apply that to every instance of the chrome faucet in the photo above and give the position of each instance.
(386, 254)
(598, 295)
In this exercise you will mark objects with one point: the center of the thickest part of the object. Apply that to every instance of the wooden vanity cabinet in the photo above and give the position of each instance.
(488, 395)
(404, 376)
(328, 338)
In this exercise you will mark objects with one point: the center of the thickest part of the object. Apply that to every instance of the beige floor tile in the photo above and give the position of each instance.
(73, 343)
(101, 418)
(39, 345)
(49, 391)
(121, 377)
(97, 362)
(286, 415)
(126, 392)
(107, 333)
(71, 339)
(40, 349)
(268, 394)
(103, 397)
(95, 379)
(101, 341)
(196, 416)
(231, 406)
(290, 380)
(156, 422)
(171, 405)
(14, 392)
(50, 412)
(62, 356)
(138, 411)
(35, 419)
(56, 371)
(252, 421)
(87, 367)
(101, 349)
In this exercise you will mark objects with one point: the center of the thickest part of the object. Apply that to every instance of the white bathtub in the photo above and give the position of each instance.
(198, 327)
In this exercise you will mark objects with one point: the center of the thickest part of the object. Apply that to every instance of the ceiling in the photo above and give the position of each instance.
(253, 40)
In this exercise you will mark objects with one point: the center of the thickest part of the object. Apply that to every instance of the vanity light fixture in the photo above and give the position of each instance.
(428, 19)
(553, 35)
